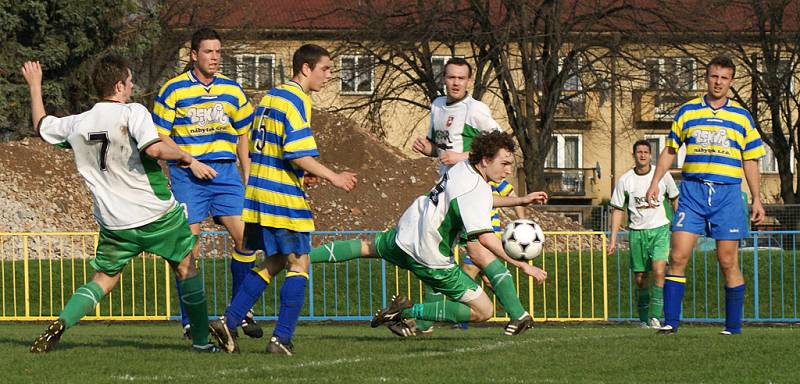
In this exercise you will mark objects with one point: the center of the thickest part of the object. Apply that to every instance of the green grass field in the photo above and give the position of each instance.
(355, 353)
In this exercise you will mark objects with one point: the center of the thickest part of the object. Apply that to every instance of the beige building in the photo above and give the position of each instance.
(595, 132)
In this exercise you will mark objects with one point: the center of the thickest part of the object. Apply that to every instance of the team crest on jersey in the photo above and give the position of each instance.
(205, 116)
(449, 121)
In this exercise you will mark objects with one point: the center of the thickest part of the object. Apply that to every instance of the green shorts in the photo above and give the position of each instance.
(452, 281)
(647, 246)
(168, 237)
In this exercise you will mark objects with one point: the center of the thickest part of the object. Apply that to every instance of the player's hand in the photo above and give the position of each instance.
(758, 213)
(202, 171)
(185, 161)
(612, 245)
(345, 180)
(451, 157)
(32, 72)
(423, 146)
(310, 179)
(538, 274)
(652, 196)
(539, 197)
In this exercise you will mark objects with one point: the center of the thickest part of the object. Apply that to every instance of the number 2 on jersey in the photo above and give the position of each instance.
(101, 137)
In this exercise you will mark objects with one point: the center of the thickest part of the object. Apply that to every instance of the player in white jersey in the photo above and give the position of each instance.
(116, 147)
(429, 229)
(456, 119)
(649, 234)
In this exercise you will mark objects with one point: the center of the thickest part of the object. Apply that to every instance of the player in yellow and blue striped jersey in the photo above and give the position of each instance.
(722, 145)
(208, 115)
(276, 211)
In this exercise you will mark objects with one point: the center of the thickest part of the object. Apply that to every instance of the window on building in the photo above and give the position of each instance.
(251, 71)
(565, 151)
(675, 73)
(357, 74)
(769, 163)
(573, 82)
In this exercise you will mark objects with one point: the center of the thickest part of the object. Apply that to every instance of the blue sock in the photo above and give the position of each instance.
(184, 315)
(673, 298)
(734, 305)
(293, 295)
(238, 272)
(249, 292)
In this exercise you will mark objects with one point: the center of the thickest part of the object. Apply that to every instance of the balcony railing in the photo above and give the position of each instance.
(570, 181)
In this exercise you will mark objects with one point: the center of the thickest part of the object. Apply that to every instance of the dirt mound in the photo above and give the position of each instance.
(41, 190)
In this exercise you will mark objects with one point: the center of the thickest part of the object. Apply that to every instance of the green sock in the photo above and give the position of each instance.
(656, 302)
(643, 303)
(336, 251)
(442, 310)
(194, 301)
(428, 296)
(81, 303)
(504, 289)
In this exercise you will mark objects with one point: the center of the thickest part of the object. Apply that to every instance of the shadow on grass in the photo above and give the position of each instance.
(114, 343)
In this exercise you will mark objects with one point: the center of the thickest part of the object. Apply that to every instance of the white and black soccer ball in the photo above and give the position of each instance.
(523, 239)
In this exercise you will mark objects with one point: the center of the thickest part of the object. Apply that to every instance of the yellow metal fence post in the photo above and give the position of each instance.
(26, 281)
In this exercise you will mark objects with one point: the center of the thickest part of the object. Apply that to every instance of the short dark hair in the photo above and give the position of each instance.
(487, 144)
(203, 34)
(724, 62)
(108, 71)
(309, 54)
(458, 61)
(642, 142)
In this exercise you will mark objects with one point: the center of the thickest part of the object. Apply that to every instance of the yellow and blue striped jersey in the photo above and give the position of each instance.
(281, 132)
(503, 188)
(717, 140)
(204, 120)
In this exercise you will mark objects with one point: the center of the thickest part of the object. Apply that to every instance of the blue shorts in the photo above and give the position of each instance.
(276, 240)
(709, 209)
(221, 196)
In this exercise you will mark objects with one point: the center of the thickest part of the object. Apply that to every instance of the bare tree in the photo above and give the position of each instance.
(541, 58)
(408, 47)
(547, 55)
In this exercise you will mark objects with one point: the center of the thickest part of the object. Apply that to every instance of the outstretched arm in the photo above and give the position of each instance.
(163, 151)
(32, 71)
(342, 180)
(198, 168)
(490, 241)
(513, 201)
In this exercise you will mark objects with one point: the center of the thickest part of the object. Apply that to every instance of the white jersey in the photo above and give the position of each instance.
(454, 126)
(630, 192)
(128, 188)
(460, 202)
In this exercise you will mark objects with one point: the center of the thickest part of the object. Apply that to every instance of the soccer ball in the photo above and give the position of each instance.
(523, 240)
